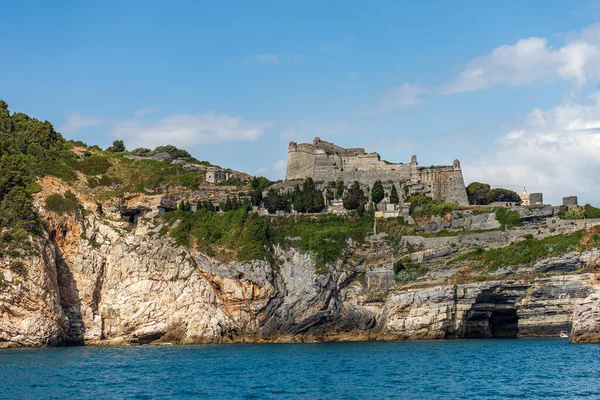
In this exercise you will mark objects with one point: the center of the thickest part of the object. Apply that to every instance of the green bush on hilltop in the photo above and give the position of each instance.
(93, 165)
(117, 147)
(29, 149)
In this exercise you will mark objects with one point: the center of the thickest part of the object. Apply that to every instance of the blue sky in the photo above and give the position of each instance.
(509, 88)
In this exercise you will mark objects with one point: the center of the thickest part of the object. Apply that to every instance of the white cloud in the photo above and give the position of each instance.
(533, 60)
(263, 59)
(554, 151)
(186, 130)
(403, 96)
(529, 60)
(275, 172)
(75, 122)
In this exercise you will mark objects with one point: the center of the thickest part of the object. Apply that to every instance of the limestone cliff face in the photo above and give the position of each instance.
(30, 310)
(586, 319)
(102, 281)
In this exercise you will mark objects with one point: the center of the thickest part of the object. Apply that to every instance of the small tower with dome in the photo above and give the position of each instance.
(525, 198)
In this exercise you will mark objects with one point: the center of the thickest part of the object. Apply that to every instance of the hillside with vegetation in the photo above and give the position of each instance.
(126, 246)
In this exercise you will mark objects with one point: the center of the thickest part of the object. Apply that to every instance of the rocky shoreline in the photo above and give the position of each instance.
(100, 282)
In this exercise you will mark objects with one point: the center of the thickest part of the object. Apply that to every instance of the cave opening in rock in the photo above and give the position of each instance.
(491, 322)
(493, 315)
(504, 323)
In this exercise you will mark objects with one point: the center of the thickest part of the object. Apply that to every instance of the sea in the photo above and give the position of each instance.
(451, 369)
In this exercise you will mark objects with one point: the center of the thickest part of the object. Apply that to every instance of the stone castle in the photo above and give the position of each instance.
(324, 161)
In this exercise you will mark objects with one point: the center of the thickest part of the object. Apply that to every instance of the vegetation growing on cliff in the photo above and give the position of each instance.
(406, 270)
(250, 237)
(586, 211)
(61, 204)
(422, 205)
(530, 250)
(29, 148)
(508, 218)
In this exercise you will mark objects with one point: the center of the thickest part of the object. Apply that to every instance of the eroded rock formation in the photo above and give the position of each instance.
(98, 281)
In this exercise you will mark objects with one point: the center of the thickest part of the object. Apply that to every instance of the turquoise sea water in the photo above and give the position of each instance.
(509, 368)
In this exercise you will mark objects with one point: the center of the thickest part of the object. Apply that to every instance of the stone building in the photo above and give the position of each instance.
(536, 199)
(570, 202)
(218, 175)
(324, 161)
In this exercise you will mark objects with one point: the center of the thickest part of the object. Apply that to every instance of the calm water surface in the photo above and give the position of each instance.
(520, 368)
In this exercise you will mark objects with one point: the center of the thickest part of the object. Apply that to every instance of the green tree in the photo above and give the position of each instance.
(339, 189)
(117, 147)
(272, 201)
(256, 197)
(503, 195)
(377, 192)
(354, 197)
(172, 151)
(312, 200)
(5, 123)
(394, 195)
(181, 206)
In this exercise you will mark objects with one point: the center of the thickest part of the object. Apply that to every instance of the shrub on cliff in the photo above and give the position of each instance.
(142, 152)
(586, 211)
(117, 147)
(93, 165)
(525, 252)
(422, 205)
(62, 204)
(172, 151)
(508, 218)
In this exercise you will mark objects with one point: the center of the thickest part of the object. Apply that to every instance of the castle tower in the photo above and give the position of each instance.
(414, 169)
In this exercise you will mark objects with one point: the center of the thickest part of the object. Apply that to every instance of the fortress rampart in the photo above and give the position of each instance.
(324, 161)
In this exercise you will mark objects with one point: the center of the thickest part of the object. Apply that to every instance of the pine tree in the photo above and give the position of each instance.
(339, 189)
(377, 193)
(229, 204)
(181, 206)
(354, 198)
(394, 195)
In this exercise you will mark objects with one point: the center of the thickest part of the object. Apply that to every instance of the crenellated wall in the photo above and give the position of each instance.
(324, 161)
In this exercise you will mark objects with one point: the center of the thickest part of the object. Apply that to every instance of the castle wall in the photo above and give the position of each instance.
(323, 161)
(444, 183)
(301, 162)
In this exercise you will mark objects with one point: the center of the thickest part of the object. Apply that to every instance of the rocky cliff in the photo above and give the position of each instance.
(98, 279)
